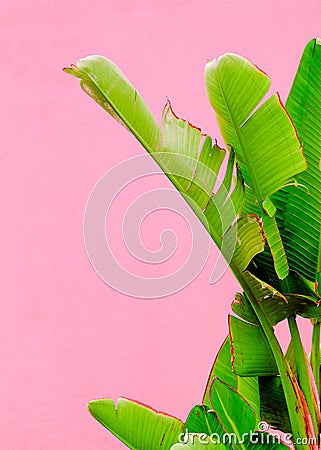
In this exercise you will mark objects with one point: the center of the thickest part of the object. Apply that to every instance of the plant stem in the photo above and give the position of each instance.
(303, 373)
(315, 354)
(300, 428)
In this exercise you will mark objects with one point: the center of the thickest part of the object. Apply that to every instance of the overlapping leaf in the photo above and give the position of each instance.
(275, 305)
(234, 413)
(244, 241)
(188, 158)
(265, 143)
(203, 428)
(273, 404)
(298, 208)
(222, 369)
(203, 420)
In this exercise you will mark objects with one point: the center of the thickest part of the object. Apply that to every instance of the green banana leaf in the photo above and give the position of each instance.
(234, 413)
(298, 208)
(243, 241)
(102, 80)
(273, 404)
(222, 369)
(136, 425)
(264, 141)
(249, 358)
(239, 422)
(303, 373)
(276, 306)
(203, 419)
(204, 422)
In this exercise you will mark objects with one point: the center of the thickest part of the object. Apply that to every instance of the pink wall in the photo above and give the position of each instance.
(66, 337)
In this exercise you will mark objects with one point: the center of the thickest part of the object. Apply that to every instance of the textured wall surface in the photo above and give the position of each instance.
(67, 337)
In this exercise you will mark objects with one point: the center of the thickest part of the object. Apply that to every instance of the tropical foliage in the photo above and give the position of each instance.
(265, 217)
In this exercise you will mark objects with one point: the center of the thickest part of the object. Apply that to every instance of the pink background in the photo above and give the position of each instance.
(66, 337)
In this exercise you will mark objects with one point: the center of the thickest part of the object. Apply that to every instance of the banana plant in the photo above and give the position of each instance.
(265, 218)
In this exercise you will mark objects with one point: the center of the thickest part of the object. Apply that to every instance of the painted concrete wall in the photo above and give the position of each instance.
(66, 336)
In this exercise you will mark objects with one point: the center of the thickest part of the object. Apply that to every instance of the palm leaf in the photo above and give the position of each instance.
(264, 141)
(136, 425)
